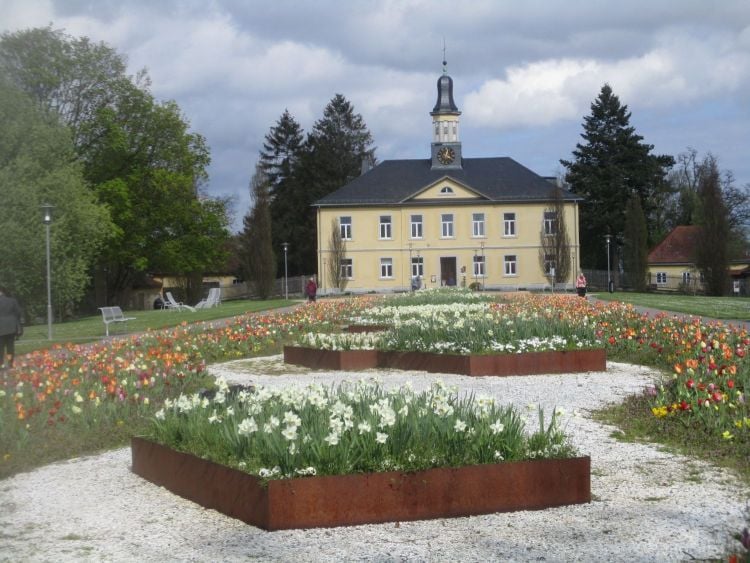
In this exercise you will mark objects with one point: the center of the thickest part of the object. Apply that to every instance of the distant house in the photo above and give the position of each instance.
(671, 264)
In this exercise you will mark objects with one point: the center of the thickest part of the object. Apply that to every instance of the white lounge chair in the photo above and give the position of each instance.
(171, 303)
(213, 299)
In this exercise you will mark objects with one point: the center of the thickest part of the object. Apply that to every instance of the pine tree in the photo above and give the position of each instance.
(611, 164)
(636, 243)
(260, 262)
(279, 161)
(333, 156)
(711, 253)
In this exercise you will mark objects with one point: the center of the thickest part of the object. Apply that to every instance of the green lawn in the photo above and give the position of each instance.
(731, 308)
(89, 329)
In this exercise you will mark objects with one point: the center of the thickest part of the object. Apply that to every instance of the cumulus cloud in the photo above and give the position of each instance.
(681, 69)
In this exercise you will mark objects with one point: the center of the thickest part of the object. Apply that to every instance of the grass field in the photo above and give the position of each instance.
(89, 329)
(729, 308)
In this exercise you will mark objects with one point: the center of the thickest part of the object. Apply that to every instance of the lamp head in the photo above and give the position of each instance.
(47, 213)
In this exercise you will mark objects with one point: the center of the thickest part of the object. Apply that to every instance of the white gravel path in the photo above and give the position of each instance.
(648, 505)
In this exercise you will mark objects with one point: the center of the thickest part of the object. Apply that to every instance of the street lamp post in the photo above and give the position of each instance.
(47, 220)
(608, 238)
(286, 274)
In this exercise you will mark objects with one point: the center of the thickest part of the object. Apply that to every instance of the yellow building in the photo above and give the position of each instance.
(446, 220)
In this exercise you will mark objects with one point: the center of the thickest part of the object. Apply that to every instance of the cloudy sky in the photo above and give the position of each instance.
(525, 73)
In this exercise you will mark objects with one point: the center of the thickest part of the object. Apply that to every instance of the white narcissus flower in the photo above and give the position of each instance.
(332, 439)
(460, 425)
(381, 438)
(290, 433)
(364, 428)
(497, 427)
(214, 418)
(247, 427)
(159, 414)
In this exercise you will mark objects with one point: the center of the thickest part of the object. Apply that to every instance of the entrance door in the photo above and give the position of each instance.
(447, 270)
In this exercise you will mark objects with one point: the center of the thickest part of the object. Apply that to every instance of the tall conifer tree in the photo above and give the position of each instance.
(712, 250)
(636, 243)
(259, 264)
(279, 161)
(612, 163)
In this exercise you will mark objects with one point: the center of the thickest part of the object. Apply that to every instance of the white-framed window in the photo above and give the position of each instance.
(416, 226)
(477, 224)
(447, 190)
(385, 226)
(686, 278)
(386, 267)
(549, 264)
(550, 223)
(347, 268)
(345, 224)
(417, 266)
(478, 266)
(510, 265)
(509, 224)
(661, 278)
(446, 225)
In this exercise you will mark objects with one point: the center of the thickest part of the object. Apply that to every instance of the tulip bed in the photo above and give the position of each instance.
(71, 400)
(76, 399)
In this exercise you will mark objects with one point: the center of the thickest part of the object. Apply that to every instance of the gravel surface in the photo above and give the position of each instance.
(648, 505)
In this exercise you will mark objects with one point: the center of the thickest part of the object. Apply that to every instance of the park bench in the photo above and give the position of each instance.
(113, 315)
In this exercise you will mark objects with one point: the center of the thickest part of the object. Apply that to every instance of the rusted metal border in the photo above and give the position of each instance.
(370, 498)
(528, 363)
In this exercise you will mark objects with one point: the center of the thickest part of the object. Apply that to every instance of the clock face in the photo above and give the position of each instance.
(446, 155)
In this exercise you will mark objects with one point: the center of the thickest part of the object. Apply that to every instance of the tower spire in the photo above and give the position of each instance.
(445, 62)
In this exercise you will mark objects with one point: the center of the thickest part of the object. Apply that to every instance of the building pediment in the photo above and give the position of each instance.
(446, 188)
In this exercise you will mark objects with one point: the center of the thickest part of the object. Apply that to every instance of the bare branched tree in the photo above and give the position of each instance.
(337, 252)
(554, 250)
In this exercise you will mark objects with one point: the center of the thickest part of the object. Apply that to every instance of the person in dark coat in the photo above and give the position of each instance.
(311, 289)
(10, 327)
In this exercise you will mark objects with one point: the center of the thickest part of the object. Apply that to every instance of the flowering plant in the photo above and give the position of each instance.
(353, 428)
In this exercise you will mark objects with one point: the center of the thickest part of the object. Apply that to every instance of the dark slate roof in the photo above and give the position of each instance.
(395, 181)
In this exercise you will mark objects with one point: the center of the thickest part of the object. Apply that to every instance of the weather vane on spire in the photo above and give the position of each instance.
(445, 63)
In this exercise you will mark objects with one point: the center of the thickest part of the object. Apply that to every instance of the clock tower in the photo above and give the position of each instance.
(446, 148)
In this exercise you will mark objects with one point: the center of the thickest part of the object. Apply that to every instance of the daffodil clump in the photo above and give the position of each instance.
(353, 428)
(466, 328)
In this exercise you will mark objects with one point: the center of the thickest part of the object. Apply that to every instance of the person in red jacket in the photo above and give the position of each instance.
(581, 285)
(311, 289)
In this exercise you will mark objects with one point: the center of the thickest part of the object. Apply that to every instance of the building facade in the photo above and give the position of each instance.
(444, 220)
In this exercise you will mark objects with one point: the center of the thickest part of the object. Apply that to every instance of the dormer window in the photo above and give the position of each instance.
(447, 190)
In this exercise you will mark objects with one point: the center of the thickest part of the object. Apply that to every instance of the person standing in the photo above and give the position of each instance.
(311, 289)
(10, 327)
(581, 285)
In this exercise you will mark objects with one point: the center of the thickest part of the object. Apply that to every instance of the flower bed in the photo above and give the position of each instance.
(346, 500)
(529, 363)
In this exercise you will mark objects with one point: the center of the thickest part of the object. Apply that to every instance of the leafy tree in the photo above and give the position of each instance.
(336, 252)
(137, 154)
(279, 160)
(712, 250)
(636, 243)
(554, 249)
(333, 156)
(612, 163)
(259, 260)
(37, 166)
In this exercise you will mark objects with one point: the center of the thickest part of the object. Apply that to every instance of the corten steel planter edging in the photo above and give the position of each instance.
(369, 498)
(527, 363)
(367, 328)
(331, 359)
